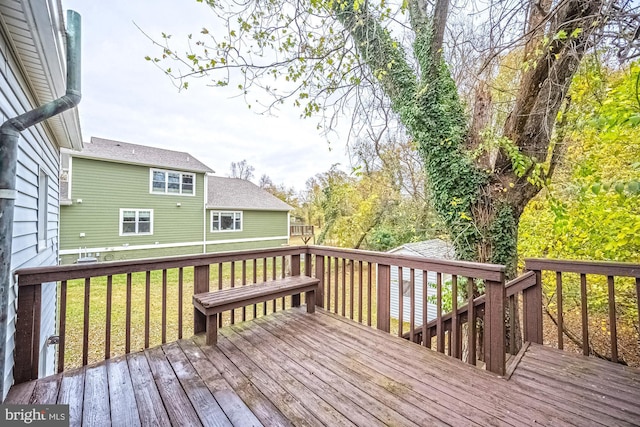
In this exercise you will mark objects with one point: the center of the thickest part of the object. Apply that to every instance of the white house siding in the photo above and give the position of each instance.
(36, 152)
(418, 294)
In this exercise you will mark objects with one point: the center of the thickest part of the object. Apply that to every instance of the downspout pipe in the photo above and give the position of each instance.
(9, 136)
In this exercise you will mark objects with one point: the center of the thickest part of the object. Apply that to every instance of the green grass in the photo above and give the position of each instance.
(98, 304)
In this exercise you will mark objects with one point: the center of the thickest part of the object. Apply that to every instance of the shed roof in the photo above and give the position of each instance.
(434, 248)
(124, 152)
(235, 193)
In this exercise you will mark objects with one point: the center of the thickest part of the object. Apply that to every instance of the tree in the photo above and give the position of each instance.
(335, 53)
(592, 206)
(242, 170)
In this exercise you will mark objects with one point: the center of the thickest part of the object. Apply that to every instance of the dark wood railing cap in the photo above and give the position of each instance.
(36, 275)
(605, 268)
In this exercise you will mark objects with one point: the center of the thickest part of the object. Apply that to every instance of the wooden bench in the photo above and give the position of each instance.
(210, 304)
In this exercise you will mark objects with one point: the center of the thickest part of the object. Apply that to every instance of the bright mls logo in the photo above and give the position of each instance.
(34, 415)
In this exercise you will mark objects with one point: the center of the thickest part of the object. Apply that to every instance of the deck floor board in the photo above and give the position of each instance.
(123, 408)
(150, 407)
(72, 390)
(348, 387)
(292, 368)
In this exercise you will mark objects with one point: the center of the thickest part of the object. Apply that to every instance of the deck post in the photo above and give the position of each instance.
(320, 276)
(200, 285)
(494, 326)
(27, 335)
(295, 271)
(532, 311)
(383, 289)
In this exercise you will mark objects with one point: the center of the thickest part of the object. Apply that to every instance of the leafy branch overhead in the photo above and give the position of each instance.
(483, 161)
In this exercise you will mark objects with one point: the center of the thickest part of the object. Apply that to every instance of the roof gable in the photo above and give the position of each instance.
(124, 152)
(235, 193)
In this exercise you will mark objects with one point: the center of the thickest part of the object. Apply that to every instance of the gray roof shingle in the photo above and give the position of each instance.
(235, 193)
(434, 248)
(124, 152)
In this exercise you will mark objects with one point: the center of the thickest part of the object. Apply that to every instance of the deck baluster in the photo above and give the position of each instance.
(107, 326)
(62, 331)
(383, 301)
(559, 315)
(612, 319)
(85, 328)
(585, 314)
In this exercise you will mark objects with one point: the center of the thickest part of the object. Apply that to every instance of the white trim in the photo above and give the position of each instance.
(8, 194)
(204, 214)
(248, 239)
(47, 35)
(69, 175)
(246, 208)
(235, 230)
(168, 245)
(166, 191)
(43, 209)
(137, 211)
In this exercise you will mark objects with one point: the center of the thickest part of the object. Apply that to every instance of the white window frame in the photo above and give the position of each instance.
(137, 211)
(226, 212)
(166, 182)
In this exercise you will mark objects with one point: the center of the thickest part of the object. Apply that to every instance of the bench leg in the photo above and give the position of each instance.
(199, 321)
(295, 300)
(311, 301)
(212, 329)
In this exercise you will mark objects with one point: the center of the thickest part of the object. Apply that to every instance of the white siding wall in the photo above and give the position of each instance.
(418, 294)
(36, 152)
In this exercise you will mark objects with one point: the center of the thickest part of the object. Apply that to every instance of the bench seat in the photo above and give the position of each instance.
(211, 304)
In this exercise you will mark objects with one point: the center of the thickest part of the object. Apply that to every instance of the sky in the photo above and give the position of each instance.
(126, 98)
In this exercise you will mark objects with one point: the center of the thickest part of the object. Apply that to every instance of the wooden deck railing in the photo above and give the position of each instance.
(118, 307)
(301, 230)
(575, 283)
(150, 296)
(123, 306)
(357, 284)
(304, 232)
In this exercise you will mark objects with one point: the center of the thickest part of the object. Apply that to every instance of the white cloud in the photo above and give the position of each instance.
(126, 98)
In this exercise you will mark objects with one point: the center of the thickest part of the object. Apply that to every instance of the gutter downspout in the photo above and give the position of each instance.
(9, 136)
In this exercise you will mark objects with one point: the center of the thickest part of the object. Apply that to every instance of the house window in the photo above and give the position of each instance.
(43, 209)
(136, 221)
(170, 182)
(226, 221)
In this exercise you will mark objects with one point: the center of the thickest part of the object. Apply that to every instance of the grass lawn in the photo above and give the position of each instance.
(346, 296)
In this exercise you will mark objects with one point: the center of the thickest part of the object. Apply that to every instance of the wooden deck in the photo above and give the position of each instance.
(292, 368)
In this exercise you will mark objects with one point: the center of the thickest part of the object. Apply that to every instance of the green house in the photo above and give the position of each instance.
(128, 201)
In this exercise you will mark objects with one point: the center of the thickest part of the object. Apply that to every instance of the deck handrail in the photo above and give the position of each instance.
(55, 273)
(30, 281)
(354, 284)
(301, 230)
(490, 275)
(606, 269)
